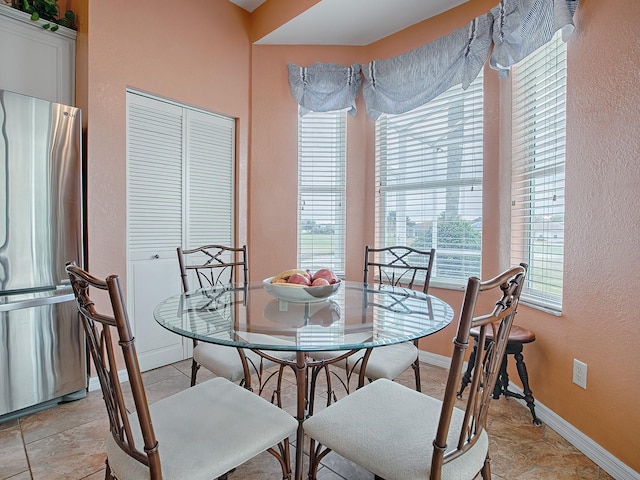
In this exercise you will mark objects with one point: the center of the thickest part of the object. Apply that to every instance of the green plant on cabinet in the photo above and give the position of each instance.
(46, 10)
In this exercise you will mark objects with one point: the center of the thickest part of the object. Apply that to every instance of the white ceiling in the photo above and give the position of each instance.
(248, 5)
(350, 22)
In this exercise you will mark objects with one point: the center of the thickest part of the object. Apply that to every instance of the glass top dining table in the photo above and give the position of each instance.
(357, 316)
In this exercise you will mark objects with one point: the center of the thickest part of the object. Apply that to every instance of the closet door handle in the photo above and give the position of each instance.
(156, 256)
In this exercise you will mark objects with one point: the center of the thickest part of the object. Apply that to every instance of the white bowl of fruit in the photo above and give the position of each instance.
(297, 285)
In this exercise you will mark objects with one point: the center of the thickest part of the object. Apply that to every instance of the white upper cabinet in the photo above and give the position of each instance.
(35, 61)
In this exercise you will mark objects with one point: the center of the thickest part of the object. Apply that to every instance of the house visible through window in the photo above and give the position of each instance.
(322, 147)
(429, 181)
(538, 174)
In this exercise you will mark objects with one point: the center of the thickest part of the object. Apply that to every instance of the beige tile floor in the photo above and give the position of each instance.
(67, 442)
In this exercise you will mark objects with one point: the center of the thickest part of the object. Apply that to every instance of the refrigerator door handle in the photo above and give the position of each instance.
(36, 302)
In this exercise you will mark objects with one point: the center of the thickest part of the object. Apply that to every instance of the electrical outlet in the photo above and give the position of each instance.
(580, 373)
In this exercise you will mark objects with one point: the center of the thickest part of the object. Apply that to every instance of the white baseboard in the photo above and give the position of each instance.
(593, 451)
(94, 383)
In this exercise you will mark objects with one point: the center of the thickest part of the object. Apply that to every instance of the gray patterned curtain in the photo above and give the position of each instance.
(325, 87)
(522, 26)
(405, 82)
(397, 85)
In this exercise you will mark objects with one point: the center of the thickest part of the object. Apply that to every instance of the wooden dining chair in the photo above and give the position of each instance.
(398, 433)
(223, 267)
(198, 433)
(397, 266)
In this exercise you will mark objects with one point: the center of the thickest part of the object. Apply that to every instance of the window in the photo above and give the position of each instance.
(429, 181)
(322, 147)
(537, 176)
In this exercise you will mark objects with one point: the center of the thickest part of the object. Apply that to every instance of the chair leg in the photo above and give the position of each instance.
(502, 382)
(331, 396)
(276, 395)
(466, 378)
(283, 455)
(311, 394)
(314, 460)
(195, 366)
(528, 394)
(416, 371)
(486, 469)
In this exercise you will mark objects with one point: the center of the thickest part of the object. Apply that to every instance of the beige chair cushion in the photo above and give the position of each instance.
(389, 429)
(205, 431)
(388, 361)
(224, 361)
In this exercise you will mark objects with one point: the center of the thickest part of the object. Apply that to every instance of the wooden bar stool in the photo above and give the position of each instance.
(517, 338)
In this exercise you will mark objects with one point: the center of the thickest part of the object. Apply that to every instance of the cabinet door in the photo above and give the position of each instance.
(35, 61)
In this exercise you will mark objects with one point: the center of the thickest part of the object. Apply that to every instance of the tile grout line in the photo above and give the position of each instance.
(24, 447)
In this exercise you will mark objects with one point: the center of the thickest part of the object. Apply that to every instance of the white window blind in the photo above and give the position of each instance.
(429, 181)
(322, 147)
(538, 173)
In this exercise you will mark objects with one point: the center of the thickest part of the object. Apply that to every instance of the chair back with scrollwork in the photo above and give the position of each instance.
(103, 331)
(398, 266)
(213, 265)
(508, 287)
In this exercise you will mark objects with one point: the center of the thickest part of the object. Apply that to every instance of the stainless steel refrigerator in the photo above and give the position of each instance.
(42, 348)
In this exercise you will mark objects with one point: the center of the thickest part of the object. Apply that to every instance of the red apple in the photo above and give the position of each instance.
(318, 282)
(327, 274)
(299, 279)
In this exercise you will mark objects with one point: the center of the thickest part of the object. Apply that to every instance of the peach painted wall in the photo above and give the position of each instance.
(599, 322)
(599, 325)
(197, 54)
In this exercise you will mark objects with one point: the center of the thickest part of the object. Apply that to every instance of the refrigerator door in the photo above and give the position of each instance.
(41, 194)
(42, 348)
(42, 352)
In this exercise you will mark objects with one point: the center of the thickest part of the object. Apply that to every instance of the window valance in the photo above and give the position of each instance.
(325, 87)
(400, 84)
(397, 85)
(522, 26)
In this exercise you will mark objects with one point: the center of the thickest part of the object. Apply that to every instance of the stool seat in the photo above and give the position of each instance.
(518, 334)
(518, 337)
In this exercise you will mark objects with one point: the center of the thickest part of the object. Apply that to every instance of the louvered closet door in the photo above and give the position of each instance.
(155, 159)
(180, 177)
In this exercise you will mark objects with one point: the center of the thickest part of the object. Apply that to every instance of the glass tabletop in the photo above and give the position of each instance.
(356, 316)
